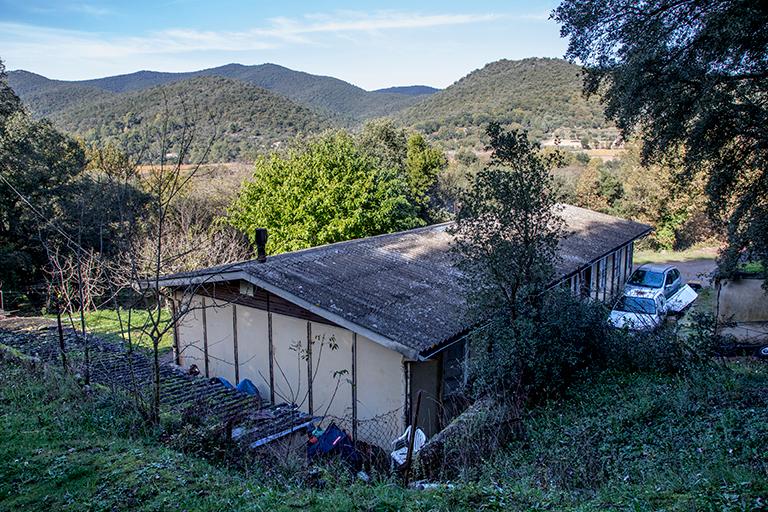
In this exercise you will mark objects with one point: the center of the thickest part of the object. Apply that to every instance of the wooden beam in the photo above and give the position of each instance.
(271, 355)
(354, 387)
(234, 342)
(309, 367)
(205, 339)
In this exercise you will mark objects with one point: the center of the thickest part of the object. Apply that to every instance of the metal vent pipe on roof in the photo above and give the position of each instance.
(261, 245)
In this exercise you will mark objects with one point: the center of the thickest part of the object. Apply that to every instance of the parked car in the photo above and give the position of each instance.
(651, 293)
(665, 279)
(662, 277)
(639, 309)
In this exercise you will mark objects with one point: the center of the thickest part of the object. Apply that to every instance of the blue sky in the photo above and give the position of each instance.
(371, 44)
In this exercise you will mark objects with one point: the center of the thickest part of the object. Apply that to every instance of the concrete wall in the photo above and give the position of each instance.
(381, 391)
(253, 347)
(742, 300)
(379, 372)
(190, 331)
(221, 351)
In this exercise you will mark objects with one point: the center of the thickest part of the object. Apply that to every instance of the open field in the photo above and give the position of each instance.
(107, 323)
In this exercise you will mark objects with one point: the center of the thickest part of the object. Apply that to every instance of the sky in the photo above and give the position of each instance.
(370, 44)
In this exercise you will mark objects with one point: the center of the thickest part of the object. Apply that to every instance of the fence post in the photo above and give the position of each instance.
(411, 439)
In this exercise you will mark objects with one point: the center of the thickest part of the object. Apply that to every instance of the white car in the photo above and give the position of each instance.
(639, 309)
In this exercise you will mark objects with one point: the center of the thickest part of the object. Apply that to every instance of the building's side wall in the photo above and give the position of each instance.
(190, 349)
(604, 278)
(332, 373)
(381, 391)
(221, 350)
(742, 300)
(334, 364)
(253, 347)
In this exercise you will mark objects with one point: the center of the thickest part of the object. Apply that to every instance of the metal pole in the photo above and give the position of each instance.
(411, 439)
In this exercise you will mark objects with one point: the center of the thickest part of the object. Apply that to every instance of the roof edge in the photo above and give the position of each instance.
(382, 340)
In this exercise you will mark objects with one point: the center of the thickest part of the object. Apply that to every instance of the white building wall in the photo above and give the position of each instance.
(289, 345)
(221, 349)
(381, 391)
(190, 332)
(253, 347)
(332, 373)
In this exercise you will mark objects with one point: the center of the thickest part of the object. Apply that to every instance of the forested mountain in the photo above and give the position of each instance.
(413, 90)
(542, 95)
(245, 118)
(331, 95)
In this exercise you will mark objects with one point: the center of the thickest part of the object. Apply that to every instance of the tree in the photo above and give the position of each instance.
(410, 156)
(326, 191)
(507, 233)
(37, 164)
(691, 78)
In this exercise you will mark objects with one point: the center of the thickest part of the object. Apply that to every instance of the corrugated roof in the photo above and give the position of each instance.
(405, 287)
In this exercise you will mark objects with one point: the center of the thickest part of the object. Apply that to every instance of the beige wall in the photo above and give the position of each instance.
(190, 331)
(742, 300)
(380, 374)
(253, 347)
(221, 352)
(380, 391)
(332, 373)
(289, 340)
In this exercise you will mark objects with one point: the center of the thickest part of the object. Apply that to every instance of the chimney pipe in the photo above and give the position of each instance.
(261, 245)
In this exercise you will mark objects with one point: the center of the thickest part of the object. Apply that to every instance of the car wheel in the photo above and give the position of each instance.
(762, 352)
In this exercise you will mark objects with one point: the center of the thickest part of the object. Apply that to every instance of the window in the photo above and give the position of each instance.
(670, 278)
(636, 305)
(643, 277)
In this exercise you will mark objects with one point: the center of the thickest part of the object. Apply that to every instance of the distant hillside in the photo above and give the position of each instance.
(329, 95)
(411, 90)
(541, 95)
(246, 118)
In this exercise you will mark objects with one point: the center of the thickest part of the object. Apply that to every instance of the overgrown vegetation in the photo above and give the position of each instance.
(337, 187)
(541, 96)
(638, 441)
(690, 79)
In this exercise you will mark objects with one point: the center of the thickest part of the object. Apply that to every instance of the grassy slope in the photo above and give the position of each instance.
(633, 442)
(106, 323)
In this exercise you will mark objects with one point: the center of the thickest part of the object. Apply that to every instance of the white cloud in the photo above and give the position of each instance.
(20, 39)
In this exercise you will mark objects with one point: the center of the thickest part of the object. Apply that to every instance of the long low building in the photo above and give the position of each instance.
(353, 330)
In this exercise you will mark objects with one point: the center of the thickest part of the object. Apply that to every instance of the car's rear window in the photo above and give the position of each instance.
(636, 305)
(647, 278)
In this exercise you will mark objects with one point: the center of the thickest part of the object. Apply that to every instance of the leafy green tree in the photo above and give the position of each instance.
(37, 163)
(326, 191)
(691, 78)
(507, 233)
(423, 164)
(411, 156)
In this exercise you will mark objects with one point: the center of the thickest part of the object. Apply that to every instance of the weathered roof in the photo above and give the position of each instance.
(403, 289)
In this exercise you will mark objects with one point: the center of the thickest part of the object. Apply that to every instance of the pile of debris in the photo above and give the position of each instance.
(245, 418)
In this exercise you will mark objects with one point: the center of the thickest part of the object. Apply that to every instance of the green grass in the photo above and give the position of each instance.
(617, 442)
(106, 323)
(695, 253)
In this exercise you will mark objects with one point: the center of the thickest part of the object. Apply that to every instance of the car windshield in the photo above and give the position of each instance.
(636, 305)
(647, 278)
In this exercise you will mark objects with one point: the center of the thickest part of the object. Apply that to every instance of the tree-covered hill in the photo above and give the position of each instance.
(413, 90)
(245, 119)
(322, 93)
(541, 95)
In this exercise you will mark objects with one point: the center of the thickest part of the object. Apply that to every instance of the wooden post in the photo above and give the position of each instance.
(354, 387)
(411, 439)
(62, 348)
(309, 367)
(234, 342)
(271, 354)
(205, 339)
